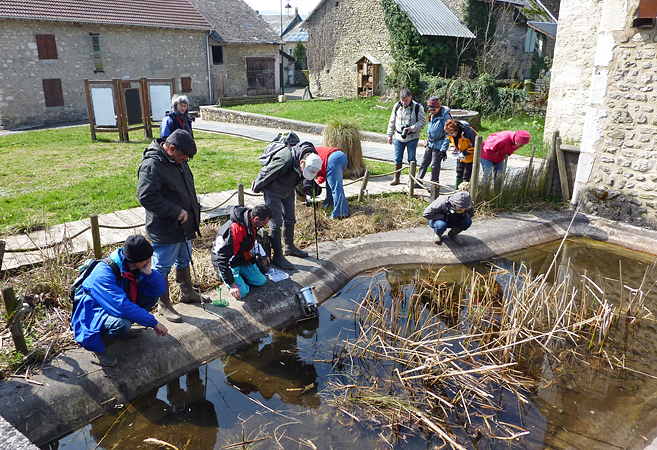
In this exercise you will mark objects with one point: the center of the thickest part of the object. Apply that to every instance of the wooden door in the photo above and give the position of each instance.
(261, 76)
(220, 86)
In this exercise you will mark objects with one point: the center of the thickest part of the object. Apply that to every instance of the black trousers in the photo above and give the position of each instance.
(463, 170)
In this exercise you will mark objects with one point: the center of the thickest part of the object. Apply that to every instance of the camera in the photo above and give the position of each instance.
(404, 132)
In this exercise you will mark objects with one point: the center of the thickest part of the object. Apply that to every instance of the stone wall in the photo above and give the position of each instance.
(127, 52)
(234, 65)
(617, 173)
(340, 36)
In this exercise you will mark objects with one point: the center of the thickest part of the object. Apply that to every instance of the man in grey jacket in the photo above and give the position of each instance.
(277, 179)
(406, 122)
(173, 213)
(453, 211)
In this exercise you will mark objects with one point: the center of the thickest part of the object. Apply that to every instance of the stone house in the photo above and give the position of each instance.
(602, 97)
(49, 47)
(288, 27)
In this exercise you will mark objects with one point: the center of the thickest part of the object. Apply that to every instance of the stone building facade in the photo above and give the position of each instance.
(338, 36)
(126, 52)
(611, 99)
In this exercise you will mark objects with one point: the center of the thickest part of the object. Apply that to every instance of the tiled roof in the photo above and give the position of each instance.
(147, 13)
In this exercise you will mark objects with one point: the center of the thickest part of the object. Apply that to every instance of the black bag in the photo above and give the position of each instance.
(75, 291)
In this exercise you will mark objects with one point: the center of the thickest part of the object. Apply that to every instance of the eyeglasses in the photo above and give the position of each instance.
(432, 109)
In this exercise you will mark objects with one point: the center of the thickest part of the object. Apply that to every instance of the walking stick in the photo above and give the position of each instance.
(188, 245)
(315, 217)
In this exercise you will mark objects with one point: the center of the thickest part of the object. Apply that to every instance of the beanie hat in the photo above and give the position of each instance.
(313, 166)
(183, 141)
(521, 137)
(461, 199)
(137, 249)
(433, 102)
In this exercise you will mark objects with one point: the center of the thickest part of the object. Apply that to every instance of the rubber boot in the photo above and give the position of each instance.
(187, 292)
(458, 181)
(277, 249)
(395, 180)
(165, 309)
(453, 234)
(105, 358)
(291, 249)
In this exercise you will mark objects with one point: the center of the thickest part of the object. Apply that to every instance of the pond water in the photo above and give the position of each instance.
(275, 394)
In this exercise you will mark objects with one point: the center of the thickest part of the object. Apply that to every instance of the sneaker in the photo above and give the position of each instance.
(437, 239)
(106, 359)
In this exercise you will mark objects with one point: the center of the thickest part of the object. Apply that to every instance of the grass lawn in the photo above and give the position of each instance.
(59, 175)
(372, 114)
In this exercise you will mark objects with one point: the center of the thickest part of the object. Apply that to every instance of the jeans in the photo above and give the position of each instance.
(245, 275)
(165, 255)
(411, 146)
(460, 221)
(337, 162)
(489, 167)
(117, 327)
(282, 210)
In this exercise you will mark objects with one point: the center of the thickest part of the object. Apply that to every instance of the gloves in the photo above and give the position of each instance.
(442, 156)
(308, 188)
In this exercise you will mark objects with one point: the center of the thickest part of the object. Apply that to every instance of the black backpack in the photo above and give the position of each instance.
(417, 109)
(75, 291)
(283, 140)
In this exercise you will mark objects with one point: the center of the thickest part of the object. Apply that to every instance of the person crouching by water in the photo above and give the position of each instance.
(109, 306)
(236, 250)
(453, 211)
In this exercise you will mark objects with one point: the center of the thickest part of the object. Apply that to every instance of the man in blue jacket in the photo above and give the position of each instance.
(108, 308)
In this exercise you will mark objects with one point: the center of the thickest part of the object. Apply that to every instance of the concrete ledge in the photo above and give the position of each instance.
(76, 389)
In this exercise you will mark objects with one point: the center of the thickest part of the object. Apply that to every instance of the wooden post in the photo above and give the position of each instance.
(240, 194)
(95, 235)
(563, 176)
(16, 327)
(552, 157)
(2, 252)
(363, 186)
(433, 193)
(146, 107)
(476, 161)
(529, 172)
(411, 179)
(90, 109)
(499, 181)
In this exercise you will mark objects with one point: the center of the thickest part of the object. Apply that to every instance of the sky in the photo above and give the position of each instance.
(274, 7)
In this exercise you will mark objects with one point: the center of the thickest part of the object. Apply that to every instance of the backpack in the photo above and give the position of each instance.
(417, 109)
(75, 291)
(283, 140)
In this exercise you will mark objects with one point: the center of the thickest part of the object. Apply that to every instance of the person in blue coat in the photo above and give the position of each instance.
(177, 118)
(436, 150)
(107, 308)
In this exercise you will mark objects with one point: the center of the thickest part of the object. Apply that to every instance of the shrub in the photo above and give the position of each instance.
(345, 135)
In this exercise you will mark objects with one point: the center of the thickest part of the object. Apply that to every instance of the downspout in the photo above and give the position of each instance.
(207, 52)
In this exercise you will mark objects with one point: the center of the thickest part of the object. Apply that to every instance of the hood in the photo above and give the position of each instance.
(461, 199)
(155, 151)
(240, 214)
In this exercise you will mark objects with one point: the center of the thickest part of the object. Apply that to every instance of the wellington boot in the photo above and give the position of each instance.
(395, 180)
(106, 359)
(277, 249)
(453, 234)
(458, 182)
(164, 308)
(187, 292)
(291, 249)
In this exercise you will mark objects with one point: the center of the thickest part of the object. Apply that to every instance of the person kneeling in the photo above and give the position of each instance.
(454, 211)
(108, 306)
(236, 248)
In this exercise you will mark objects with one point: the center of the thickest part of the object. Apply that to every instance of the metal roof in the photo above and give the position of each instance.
(546, 28)
(299, 35)
(148, 13)
(433, 18)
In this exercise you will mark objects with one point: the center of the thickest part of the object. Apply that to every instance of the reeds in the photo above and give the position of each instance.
(436, 356)
(345, 135)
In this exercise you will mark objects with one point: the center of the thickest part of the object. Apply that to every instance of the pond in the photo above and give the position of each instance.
(281, 392)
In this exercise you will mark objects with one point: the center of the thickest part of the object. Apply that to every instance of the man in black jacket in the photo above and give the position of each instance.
(173, 213)
(236, 249)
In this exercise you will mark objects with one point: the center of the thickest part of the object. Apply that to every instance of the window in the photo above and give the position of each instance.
(46, 46)
(52, 90)
(217, 54)
(186, 84)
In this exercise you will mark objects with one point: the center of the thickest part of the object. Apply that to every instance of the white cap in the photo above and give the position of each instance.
(313, 166)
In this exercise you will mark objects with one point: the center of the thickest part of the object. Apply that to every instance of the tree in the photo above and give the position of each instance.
(299, 53)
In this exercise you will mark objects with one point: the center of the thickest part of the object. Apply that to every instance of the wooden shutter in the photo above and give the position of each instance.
(52, 90)
(46, 46)
(186, 84)
(646, 14)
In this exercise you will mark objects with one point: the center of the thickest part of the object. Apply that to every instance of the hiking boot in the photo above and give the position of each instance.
(106, 359)
(291, 249)
(277, 249)
(187, 292)
(165, 309)
(395, 180)
(453, 234)
(437, 239)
